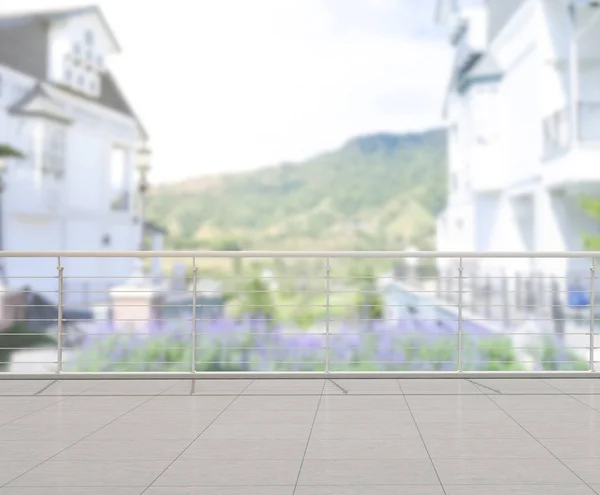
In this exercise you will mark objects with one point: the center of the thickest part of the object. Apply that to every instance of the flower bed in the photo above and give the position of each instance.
(250, 345)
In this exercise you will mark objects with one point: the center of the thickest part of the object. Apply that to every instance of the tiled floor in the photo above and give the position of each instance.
(301, 437)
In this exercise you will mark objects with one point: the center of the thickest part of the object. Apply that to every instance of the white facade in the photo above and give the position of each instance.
(75, 188)
(524, 130)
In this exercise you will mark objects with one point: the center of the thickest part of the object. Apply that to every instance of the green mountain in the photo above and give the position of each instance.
(377, 192)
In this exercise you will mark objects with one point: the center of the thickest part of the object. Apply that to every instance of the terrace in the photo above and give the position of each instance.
(302, 437)
(331, 377)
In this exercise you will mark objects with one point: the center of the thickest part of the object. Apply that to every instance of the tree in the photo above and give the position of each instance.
(592, 207)
(7, 151)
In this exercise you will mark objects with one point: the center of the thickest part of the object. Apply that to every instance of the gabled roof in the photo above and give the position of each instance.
(37, 103)
(59, 14)
(24, 48)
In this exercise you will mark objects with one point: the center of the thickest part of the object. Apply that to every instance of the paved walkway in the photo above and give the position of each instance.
(300, 437)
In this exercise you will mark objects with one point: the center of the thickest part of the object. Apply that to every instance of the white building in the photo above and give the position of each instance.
(523, 108)
(62, 108)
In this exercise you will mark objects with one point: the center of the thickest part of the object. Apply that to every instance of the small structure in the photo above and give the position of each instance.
(137, 302)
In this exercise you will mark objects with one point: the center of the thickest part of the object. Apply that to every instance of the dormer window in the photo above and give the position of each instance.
(89, 37)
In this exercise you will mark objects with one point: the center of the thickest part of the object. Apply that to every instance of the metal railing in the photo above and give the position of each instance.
(296, 314)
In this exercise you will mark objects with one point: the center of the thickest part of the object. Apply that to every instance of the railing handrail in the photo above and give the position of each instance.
(303, 254)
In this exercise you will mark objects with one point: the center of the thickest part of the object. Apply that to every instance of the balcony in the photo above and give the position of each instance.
(319, 380)
(568, 161)
(303, 437)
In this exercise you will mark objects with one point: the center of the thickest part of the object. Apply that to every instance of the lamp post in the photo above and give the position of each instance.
(411, 265)
(143, 167)
(3, 169)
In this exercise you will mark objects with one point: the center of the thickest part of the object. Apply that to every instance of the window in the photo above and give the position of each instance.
(68, 74)
(99, 61)
(89, 37)
(54, 154)
(454, 181)
(77, 49)
(119, 200)
(80, 80)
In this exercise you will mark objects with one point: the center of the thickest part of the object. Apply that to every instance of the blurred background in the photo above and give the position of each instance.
(340, 125)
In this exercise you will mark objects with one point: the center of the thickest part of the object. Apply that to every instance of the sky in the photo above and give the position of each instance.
(233, 85)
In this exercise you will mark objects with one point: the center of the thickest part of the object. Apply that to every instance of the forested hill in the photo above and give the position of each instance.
(379, 192)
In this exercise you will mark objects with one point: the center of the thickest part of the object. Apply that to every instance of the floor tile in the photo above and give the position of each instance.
(574, 448)
(355, 403)
(538, 402)
(366, 416)
(232, 473)
(12, 469)
(226, 449)
(503, 471)
(255, 431)
(124, 450)
(450, 403)
(371, 490)
(494, 416)
(517, 386)
(209, 387)
(499, 448)
(283, 403)
(92, 473)
(579, 489)
(43, 432)
(28, 490)
(549, 429)
(587, 469)
(71, 387)
(191, 403)
(367, 472)
(131, 387)
(380, 448)
(246, 417)
(438, 386)
(576, 386)
(221, 490)
(17, 450)
(471, 430)
(129, 430)
(364, 430)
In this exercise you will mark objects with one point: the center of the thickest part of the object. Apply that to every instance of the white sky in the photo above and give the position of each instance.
(229, 85)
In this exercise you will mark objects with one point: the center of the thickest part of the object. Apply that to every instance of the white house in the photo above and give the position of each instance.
(523, 109)
(75, 189)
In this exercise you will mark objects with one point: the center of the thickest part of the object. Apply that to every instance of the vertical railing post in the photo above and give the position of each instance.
(593, 315)
(460, 314)
(59, 323)
(327, 311)
(194, 306)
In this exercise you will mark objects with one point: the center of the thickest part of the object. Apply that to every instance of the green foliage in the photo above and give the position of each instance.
(257, 300)
(7, 151)
(377, 192)
(592, 207)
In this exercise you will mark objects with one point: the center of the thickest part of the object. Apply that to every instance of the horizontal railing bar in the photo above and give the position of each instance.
(295, 375)
(301, 254)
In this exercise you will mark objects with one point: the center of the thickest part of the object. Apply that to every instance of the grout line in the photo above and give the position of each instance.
(196, 438)
(562, 392)
(46, 387)
(162, 394)
(308, 441)
(193, 387)
(421, 437)
(80, 440)
(484, 386)
(540, 443)
(337, 385)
